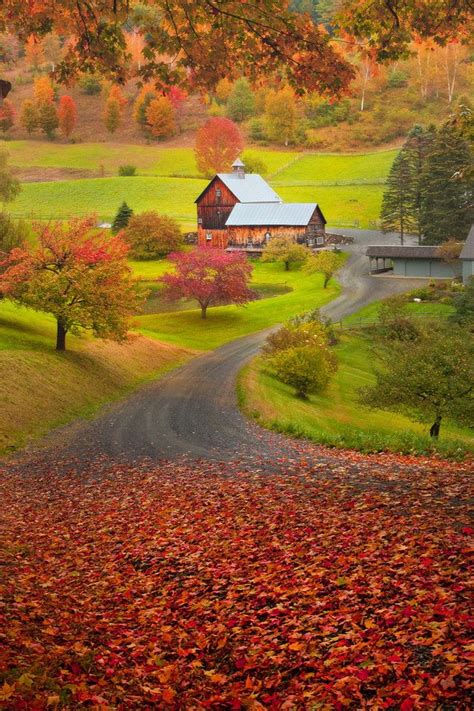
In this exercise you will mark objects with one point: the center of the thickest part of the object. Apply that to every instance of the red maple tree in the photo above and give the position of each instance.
(67, 115)
(218, 143)
(80, 277)
(210, 276)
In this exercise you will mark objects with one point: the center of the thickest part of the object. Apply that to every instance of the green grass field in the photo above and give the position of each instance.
(348, 187)
(224, 323)
(336, 418)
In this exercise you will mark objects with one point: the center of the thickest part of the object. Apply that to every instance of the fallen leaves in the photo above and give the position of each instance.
(208, 586)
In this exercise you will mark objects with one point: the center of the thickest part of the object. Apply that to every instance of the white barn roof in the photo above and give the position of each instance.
(249, 187)
(272, 214)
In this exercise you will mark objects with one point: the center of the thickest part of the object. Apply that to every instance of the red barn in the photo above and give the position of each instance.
(241, 211)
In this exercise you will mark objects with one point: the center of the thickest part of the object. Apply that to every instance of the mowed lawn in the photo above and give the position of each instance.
(225, 323)
(336, 417)
(43, 389)
(347, 187)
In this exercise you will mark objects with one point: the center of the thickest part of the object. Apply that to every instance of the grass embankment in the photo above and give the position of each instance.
(336, 418)
(225, 323)
(348, 187)
(43, 389)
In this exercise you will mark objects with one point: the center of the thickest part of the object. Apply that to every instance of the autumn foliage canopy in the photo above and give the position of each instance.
(210, 276)
(218, 143)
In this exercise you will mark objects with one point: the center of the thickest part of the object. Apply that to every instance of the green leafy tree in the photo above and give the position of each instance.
(282, 248)
(29, 116)
(122, 218)
(396, 214)
(307, 369)
(9, 186)
(428, 378)
(150, 235)
(253, 164)
(241, 101)
(48, 119)
(325, 262)
(447, 197)
(464, 306)
(79, 276)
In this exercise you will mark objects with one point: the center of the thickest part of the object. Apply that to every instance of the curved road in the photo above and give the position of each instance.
(193, 410)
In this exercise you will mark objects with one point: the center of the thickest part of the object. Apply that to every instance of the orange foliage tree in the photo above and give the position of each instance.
(218, 143)
(34, 52)
(67, 115)
(160, 116)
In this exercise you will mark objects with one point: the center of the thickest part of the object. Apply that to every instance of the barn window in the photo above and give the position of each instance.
(319, 240)
(267, 236)
(208, 236)
(218, 192)
(199, 220)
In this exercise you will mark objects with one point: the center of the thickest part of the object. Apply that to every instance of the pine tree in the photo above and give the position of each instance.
(447, 194)
(241, 103)
(398, 198)
(416, 148)
(122, 218)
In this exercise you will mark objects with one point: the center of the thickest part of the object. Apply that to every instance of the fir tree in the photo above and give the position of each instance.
(122, 218)
(447, 194)
(416, 148)
(398, 198)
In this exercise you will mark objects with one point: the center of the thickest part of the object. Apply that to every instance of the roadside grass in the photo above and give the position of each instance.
(44, 389)
(168, 181)
(369, 313)
(225, 323)
(336, 418)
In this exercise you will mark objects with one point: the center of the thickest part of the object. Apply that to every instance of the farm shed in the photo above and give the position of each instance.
(467, 257)
(240, 211)
(411, 261)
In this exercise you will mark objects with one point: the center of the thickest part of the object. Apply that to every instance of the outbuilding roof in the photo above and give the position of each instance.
(296, 214)
(249, 187)
(468, 249)
(394, 251)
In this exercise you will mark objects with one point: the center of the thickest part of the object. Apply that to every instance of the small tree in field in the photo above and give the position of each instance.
(43, 91)
(29, 116)
(79, 277)
(122, 218)
(67, 115)
(282, 248)
(327, 263)
(160, 116)
(150, 235)
(307, 369)
(427, 378)
(112, 115)
(9, 185)
(48, 119)
(7, 115)
(210, 276)
(218, 143)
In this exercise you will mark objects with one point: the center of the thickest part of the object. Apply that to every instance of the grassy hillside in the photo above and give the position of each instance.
(348, 187)
(336, 417)
(42, 389)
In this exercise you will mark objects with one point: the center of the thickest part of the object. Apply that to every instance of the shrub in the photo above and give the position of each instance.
(150, 235)
(394, 321)
(90, 85)
(307, 369)
(256, 129)
(127, 170)
(397, 78)
(294, 336)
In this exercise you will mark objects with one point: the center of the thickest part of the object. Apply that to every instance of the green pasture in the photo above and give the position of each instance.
(225, 323)
(336, 418)
(347, 187)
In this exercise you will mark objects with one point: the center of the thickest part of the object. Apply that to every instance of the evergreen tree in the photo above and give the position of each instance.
(397, 204)
(447, 194)
(241, 103)
(122, 218)
(416, 148)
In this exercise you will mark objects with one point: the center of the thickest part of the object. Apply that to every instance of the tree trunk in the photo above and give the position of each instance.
(203, 311)
(302, 395)
(287, 266)
(61, 336)
(326, 280)
(435, 427)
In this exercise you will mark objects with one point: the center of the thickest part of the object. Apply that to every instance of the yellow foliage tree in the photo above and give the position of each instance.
(160, 117)
(280, 115)
(43, 91)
